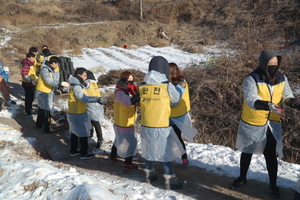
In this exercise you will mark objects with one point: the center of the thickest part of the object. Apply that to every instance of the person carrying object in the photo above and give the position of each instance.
(48, 79)
(78, 118)
(126, 96)
(29, 80)
(266, 94)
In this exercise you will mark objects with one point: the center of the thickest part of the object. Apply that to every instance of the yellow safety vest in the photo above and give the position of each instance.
(184, 105)
(155, 105)
(124, 116)
(260, 117)
(93, 90)
(42, 85)
(31, 74)
(75, 106)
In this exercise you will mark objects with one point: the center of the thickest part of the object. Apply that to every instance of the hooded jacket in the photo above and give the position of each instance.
(262, 79)
(251, 137)
(159, 143)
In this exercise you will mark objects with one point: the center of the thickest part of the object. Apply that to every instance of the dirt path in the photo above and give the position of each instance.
(200, 184)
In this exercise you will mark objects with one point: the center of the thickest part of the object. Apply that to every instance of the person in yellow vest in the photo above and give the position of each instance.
(159, 142)
(266, 92)
(95, 110)
(78, 118)
(29, 80)
(47, 81)
(125, 113)
(180, 119)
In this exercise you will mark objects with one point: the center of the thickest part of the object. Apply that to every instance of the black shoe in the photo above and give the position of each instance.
(240, 181)
(87, 156)
(74, 153)
(274, 190)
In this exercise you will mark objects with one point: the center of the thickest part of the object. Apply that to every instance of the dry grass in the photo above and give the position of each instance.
(216, 94)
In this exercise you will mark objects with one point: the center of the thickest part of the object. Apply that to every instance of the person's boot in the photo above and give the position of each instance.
(171, 182)
(150, 175)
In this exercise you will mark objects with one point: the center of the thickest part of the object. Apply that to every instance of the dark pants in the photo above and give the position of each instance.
(178, 133)
(83, 144)
(270, 157)
(98, 129)
(29, 97)
(113, 153)
(43, 119)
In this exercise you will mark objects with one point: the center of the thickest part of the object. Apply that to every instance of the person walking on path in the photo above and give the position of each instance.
(95, 110)
(266, 92)
(125, 113)
(47, 81)
(180, 119)
(159, 142)
(78, 118)
(29, 80)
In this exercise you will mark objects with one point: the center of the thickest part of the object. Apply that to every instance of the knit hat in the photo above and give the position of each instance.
(90, 75)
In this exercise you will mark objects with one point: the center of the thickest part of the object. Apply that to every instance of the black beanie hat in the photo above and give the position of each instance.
(90, 75)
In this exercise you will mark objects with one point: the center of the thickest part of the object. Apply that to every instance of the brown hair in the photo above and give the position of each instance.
(125, 75)
(175, 75)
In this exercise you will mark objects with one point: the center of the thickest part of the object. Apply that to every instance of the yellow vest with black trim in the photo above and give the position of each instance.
(31, 74)
(93, 90)
(155, 105)
(124, 116)
(184, 104)
(261, 117)
(75, 106)
(41, 83)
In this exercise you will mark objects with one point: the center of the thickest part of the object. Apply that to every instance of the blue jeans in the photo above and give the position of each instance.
(166, 165)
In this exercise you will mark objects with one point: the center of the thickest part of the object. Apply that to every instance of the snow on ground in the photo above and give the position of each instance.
(27, 178)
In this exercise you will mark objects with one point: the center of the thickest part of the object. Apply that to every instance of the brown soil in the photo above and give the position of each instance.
(200, 184)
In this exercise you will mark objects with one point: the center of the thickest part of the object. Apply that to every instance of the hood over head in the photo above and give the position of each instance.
(264, 58)
(160, 64)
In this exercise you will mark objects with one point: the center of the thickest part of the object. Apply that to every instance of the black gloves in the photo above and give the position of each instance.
(261, 105)
(293, 103)
(135, 99)
(102, 100)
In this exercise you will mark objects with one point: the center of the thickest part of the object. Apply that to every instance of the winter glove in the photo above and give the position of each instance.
(261, 105)
(102, 100)
(135, 99)
(33, 82)
(275, 108)
(293, 103)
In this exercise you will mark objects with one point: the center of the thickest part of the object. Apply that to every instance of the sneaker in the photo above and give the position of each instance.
(274, 192)
(185, 163)
(113, 158)
(87, 156)
(74, 154)
(240, 181)
(127, 167)
(29, 117)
